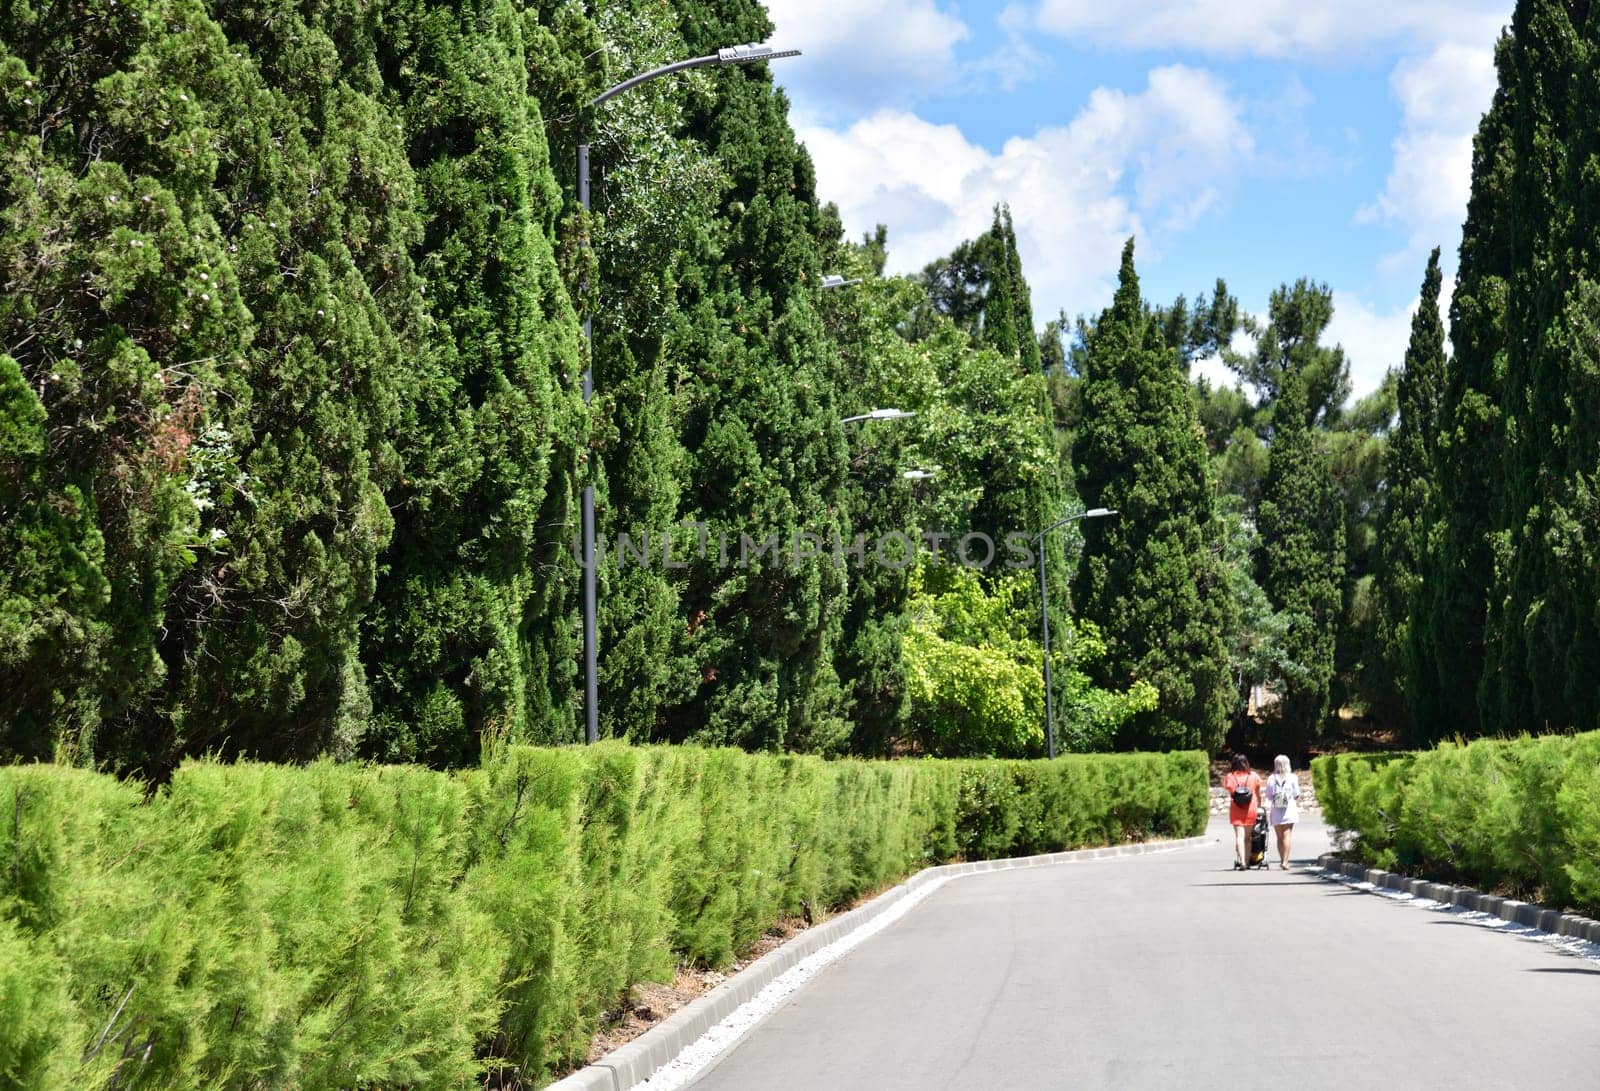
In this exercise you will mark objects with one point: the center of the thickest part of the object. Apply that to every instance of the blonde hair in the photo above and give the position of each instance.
(1281, 766)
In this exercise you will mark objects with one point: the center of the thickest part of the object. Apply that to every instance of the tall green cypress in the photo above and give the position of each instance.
(471, 637)
(655, 192)
(1409, 475)
(1148, 577)
(1301, 559)
(1542, 630)
(315, 191)
(1456, 567)
(765, 454)
(227, 393)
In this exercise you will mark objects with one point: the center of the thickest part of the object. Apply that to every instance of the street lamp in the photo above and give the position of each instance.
(738, 54)
(1044, 618)
(919, 475)
(834, 280)
(880, 414)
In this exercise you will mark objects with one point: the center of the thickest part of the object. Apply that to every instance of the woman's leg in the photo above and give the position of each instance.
(1286, 839)
(1241, 844)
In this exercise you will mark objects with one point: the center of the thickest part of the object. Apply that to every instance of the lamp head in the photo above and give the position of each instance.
(746, 54)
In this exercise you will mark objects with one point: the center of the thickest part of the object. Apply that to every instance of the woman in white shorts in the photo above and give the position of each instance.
(1282, 794)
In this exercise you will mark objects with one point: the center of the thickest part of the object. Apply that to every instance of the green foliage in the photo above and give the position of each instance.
(351, 925)
(1288, 346)
(478, 556)
(1259, 648)
(253, 924)
(1517, 816)
(1149, 580)
(975, 676)
(981, 289)
(324, 306)
(1409, 463)
(1542, 636)
(1301, 561)
(764, 453)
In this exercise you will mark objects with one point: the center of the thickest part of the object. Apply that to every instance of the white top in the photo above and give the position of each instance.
(1282, 816)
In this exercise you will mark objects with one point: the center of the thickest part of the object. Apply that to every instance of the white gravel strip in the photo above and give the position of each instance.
(1567, 945)
(696, 1057)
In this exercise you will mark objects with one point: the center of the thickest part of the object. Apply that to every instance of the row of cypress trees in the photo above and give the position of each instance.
(291, 429)
(290, 359)
(1495, 574)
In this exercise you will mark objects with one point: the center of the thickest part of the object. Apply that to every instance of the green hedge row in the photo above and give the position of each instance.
(1516, 815)
(360, 926)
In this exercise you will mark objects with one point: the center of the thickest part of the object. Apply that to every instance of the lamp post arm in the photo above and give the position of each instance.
(655, 73)
(1058, 523)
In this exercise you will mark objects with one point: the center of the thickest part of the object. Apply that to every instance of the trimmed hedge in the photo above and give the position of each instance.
(1515, 815)
(343, 925)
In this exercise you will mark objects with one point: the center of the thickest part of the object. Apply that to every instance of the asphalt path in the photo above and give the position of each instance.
(1171, 970)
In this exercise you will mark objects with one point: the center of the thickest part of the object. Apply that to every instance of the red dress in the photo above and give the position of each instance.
(1246, 815)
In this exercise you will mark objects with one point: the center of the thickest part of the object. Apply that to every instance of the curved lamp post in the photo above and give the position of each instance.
(738, 54)
(1044, 618)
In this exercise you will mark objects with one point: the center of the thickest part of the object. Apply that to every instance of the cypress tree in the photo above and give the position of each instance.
(470, 637)
(1456, 566)
(314, 187)
(1301, 560)
(765, 454)
(1408, 472)
(227, 395)
(1542, 627)
(53, 587)
(1148, 577)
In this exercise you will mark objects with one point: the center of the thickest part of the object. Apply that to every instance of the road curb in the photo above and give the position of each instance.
(627, 1065)
(1527, 914)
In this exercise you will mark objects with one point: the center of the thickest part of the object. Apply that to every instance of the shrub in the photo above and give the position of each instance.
(361, 926)
(1513, 815)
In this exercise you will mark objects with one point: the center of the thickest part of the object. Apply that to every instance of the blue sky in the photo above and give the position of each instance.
(1257, 140)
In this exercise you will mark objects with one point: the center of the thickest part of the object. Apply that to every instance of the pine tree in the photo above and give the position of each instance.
(1298, 316)
(1148, 577)
(1409, 476)
(980, 287)
(1301, 560)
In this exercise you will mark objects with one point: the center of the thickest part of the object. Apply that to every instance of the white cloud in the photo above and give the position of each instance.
(862, 54)
(1375, 341)
(1272, 28)
(1146, 164)
(1442, 96)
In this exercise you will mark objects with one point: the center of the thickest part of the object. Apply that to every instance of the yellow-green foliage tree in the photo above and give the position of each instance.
(975, 672)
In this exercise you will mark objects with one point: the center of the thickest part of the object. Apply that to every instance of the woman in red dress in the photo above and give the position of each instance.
(1244, 801)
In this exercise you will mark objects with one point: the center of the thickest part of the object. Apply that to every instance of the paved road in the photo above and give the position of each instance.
(1173, 971)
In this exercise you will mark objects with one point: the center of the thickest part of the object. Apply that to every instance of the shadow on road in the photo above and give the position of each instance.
(1560, 970)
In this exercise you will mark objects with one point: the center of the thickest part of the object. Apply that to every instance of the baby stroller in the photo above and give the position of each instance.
(1258, 841)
